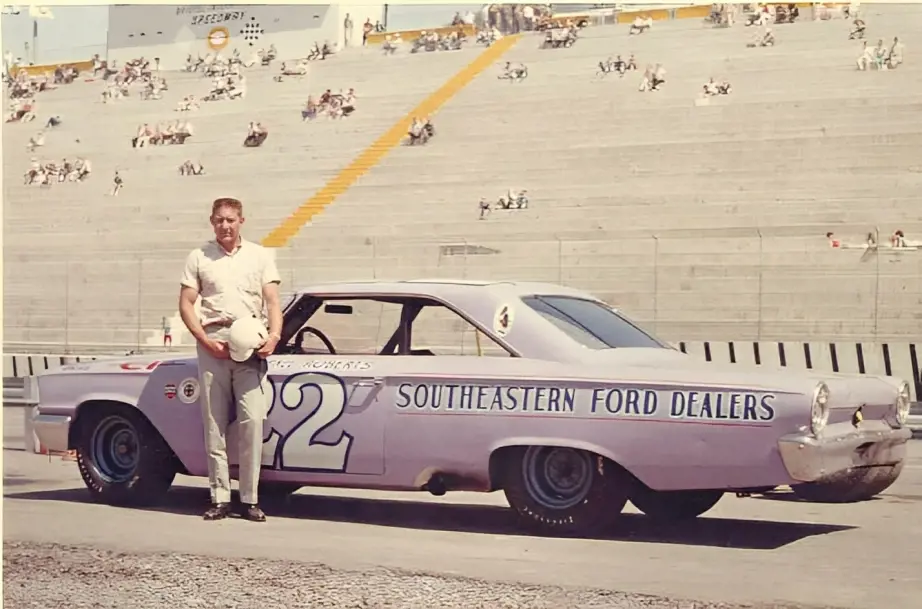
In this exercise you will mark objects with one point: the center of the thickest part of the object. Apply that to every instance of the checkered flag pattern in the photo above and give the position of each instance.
(252, 31)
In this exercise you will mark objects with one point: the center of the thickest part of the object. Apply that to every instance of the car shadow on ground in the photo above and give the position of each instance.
(485, 519)
(789, 496)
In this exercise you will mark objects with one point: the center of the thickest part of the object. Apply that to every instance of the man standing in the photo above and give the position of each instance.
(347, 31)
(236, 279)
(167, 332)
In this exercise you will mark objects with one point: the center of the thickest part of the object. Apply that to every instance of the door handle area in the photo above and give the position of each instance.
(374, 386)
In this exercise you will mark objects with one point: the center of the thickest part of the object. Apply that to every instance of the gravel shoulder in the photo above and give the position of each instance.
(51, 575)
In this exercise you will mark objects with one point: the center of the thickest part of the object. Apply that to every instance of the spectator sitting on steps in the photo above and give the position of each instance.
(640, 25)
(895, 56)
(256, 135)
(653, 78)
(715, 88)
(765, 40)
(484, 206)
(36, 141)
(858, 32)
(188, 168)
(391, 43)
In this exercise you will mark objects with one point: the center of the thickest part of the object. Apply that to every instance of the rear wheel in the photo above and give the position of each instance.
(673, 505)
(122, 458)
(563, 490)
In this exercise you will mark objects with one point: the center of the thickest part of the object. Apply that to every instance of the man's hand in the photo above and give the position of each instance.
(268, 347)
(216, 348)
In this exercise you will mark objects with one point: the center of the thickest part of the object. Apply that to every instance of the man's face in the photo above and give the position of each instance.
(226, 222)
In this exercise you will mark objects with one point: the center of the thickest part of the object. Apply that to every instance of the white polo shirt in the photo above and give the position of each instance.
(230, 284)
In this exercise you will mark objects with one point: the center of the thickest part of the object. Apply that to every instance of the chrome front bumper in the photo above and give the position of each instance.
(52, 431)
(842, 447)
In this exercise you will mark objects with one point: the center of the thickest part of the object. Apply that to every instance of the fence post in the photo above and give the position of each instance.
(66, 306)
(559, 260)
(138, 312)
(877, 283)
(655, 282)
(374, 257)
(761, 279)
(466, 259)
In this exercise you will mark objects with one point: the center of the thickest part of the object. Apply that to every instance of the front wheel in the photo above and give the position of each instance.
(563, 490)
(122, 458)
(673, 506)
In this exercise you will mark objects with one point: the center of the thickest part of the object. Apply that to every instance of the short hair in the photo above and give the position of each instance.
(220, 202)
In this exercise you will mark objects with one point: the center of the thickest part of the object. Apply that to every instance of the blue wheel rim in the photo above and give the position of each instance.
(557, 477)
(115, 450)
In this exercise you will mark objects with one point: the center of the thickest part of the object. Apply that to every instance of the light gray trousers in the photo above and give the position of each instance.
(227, 386)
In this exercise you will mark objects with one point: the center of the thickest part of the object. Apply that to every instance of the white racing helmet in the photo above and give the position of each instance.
(246, 335)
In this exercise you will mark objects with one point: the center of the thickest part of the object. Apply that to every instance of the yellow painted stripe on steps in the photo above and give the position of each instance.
(372, 155)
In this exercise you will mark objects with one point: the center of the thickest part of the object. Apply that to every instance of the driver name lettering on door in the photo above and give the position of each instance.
(318, 364)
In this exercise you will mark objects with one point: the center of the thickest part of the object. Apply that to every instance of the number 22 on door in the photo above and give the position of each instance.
(303, 406)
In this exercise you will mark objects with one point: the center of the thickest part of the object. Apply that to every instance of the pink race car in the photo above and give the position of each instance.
(542, 391)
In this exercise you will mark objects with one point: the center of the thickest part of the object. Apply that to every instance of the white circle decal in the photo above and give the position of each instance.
(189, 391)
(502, 321)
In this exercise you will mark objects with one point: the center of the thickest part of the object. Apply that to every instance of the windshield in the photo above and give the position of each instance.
(592, 324)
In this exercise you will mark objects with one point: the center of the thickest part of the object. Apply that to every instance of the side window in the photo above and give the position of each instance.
(363, 331)
(441, 331)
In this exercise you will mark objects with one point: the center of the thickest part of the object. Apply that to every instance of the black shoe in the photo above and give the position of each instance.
(217, 511)
(252, 512)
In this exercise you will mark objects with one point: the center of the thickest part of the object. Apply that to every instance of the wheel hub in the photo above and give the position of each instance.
(556, 477)
(114, 449)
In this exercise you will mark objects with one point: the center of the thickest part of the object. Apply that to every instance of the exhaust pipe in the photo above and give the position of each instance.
(436, 485)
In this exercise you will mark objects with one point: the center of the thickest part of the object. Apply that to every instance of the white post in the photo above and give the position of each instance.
(31, 440)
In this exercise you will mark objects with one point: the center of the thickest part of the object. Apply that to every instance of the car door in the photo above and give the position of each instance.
(325, 416)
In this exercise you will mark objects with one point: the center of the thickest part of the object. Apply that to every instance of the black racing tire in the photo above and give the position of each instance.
(673, 506)
(140, 476)
(592, 508)
(860, 484)
(882, 479)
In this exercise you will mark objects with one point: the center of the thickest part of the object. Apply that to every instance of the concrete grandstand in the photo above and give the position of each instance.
(701, 221)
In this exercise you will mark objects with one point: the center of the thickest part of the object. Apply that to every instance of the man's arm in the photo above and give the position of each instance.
(188, 294)
(187, 298)
(270, 281)
(274, 309)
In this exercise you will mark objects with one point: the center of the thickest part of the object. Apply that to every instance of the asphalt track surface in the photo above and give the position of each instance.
(328, 548)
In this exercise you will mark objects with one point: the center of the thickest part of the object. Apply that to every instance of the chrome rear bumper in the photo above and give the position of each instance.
(52, 431)
(841, 447)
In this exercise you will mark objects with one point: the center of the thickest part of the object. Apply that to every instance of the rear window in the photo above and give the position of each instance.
(590, 323)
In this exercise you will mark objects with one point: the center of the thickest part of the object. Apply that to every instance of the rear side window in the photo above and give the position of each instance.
(592, 324)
